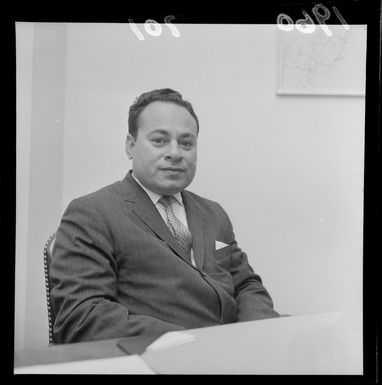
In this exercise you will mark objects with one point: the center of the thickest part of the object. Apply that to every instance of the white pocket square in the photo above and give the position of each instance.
(219, 245)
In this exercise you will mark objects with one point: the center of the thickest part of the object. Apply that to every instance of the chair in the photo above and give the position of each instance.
(48, 255)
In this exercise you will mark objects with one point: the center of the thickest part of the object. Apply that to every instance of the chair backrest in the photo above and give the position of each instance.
(48, 255)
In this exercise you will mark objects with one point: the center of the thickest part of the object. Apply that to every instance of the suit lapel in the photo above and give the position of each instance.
(143, 207)
(195, 224)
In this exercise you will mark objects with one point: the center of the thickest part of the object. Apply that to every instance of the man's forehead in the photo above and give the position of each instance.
(165, 131)
(157, 114)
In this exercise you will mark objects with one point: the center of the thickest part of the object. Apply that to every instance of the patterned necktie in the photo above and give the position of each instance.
(177, 228)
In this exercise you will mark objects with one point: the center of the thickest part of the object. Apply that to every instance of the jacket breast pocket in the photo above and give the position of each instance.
(223, 256)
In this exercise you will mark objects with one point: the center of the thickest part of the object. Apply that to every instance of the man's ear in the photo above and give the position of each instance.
(130, 141)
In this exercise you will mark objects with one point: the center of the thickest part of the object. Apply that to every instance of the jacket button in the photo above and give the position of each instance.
(204, 274)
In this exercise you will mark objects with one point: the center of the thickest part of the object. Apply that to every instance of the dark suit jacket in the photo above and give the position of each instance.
(118, 272)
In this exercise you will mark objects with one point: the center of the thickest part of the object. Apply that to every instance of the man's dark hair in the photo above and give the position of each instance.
(160, 95)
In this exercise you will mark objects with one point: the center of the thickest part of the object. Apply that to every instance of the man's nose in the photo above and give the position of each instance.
(174, 152)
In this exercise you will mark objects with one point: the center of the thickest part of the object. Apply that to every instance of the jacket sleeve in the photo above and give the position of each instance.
(84, 277)
(252, 299)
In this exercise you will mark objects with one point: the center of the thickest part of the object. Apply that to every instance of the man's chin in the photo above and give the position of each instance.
(171, 188)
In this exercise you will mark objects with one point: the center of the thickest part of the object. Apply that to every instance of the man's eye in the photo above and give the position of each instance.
(187, 143)
(157, 140)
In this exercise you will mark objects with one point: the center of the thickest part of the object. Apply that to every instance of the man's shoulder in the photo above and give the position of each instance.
(203, 203)
(100, 196)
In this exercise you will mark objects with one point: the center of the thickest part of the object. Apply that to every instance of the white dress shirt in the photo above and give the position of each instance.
(177, 207)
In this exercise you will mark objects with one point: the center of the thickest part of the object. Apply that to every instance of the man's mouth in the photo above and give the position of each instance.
(172, 169)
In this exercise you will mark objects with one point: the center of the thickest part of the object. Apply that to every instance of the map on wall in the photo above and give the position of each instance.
(318, 64)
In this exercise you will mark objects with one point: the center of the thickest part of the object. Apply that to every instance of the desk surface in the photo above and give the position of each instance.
(68, 352)
(328, 343)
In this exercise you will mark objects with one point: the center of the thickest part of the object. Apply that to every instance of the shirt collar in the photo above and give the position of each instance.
(154, 196)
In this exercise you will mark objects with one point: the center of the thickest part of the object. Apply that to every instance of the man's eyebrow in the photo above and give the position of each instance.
(159, 131)
(188, 135)
(165, 132)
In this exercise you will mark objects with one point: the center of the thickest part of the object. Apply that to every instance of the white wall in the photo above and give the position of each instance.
(288, 169)
(24, 42)
(40, 59)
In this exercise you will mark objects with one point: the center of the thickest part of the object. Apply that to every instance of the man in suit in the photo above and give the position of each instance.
(144, 256)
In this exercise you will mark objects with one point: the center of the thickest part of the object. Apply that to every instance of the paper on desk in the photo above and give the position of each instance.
(132, 364)
(170, 339)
